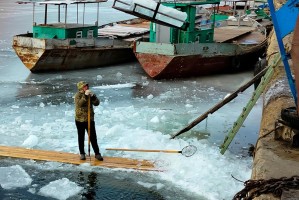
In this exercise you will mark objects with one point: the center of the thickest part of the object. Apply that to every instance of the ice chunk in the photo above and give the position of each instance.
(32, 190)
(118, 74)
(31, 141)
(14, 177)
(151, 185)
(155, 120)
(99, 77)
(150, 96)
(60, 189)
(117, 86)
(188, 106)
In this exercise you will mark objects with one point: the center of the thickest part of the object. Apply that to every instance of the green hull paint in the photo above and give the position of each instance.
(203, 49)
(62, 31)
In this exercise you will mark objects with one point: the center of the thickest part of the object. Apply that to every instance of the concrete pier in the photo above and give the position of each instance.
(274, 156)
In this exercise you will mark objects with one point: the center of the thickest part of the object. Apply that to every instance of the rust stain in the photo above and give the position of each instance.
(163, 67)
(295, 57)
(40, 60)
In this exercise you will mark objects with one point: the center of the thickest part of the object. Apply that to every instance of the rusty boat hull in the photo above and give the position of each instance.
(43, 55)
(167, 61)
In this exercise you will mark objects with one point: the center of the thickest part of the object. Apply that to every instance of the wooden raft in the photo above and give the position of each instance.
(70, 158)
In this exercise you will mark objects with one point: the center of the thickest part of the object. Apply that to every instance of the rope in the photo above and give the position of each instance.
(247, 49)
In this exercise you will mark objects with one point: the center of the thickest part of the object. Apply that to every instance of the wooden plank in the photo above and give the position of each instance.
(70, 158)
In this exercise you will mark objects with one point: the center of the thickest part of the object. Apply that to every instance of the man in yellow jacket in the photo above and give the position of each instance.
(81, 118)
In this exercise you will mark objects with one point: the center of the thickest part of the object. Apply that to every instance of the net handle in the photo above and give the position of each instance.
(186, 151)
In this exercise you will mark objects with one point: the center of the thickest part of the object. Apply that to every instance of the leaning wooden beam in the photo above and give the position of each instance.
(221, 103)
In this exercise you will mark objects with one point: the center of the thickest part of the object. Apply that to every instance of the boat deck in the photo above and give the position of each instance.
(228, 33)
(240, 35)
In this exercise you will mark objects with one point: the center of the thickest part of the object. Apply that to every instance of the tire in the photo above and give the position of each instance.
(258, 67)
(236, 64)
(290, 116)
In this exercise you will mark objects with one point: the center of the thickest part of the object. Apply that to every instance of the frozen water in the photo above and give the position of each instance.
(14, 177)
(60, 189)
(155, 119)
(30, 142)
(38, 112)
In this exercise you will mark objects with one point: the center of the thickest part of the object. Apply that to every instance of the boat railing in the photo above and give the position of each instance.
(209, 49)
(154, 12)
(26, 40)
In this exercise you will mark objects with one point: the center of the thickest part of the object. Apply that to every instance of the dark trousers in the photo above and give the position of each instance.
(81, 127)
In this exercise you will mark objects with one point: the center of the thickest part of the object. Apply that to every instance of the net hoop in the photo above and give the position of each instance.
(189, 150)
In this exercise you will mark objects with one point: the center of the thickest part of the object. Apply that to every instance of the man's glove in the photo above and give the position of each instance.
(88, 92)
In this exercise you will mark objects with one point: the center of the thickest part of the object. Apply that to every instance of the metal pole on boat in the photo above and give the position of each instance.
(83, 13)
(77, 12)
(65, 15)
(46, 13)
(33, 11)
(214, 16)
(98, 7)
(59, 13)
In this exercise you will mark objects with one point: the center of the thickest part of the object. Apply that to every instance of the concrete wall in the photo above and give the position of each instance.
(275, 158)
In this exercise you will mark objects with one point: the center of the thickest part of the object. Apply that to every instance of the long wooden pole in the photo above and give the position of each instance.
(145, 150)
(221, 103)
(88, 126)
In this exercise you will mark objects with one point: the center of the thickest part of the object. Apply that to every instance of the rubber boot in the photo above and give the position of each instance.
(82, 157)
(99, 157)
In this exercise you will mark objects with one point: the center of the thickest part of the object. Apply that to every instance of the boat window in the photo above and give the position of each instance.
(79, 34)
(90, 34)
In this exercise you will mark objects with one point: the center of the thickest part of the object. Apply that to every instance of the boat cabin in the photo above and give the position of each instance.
(62, 28)
(60, 31)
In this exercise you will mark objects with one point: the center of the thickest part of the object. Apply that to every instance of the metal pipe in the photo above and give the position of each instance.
(58, 13)
(46, 14)
(295, 57)
(98, 7)
(65, 15)
(83, 13)
(33, 16)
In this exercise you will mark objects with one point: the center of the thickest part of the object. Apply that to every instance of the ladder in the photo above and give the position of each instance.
(246, 110)
(284, 21)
